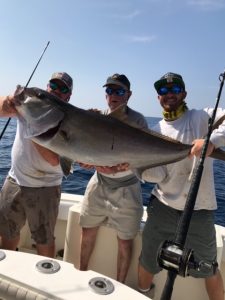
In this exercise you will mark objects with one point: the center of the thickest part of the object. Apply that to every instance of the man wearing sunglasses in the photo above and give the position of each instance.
(113, 194)
(172, 186)
(61, 85)
(32, 188)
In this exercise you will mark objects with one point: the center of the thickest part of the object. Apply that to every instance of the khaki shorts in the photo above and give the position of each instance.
(162, 224)
(38, 205)
(120, 208)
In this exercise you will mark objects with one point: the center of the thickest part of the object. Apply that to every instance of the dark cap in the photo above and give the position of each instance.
(118, 79)
(169, 78)
(65, 78)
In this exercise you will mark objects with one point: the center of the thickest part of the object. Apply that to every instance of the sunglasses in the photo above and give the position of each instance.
(54, 86)
(176, 89)
(118, 92)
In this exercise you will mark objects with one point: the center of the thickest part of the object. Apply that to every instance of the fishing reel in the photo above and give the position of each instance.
(172, 257)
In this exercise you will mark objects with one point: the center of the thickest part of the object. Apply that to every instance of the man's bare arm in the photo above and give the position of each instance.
(51, 157)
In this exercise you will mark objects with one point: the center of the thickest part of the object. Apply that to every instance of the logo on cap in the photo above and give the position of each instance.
(169, 78)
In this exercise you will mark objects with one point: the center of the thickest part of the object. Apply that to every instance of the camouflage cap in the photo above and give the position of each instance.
(118, 79)
(169, 78)
(64, 77)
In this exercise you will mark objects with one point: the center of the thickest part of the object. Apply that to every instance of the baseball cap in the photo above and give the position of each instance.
(169, 78)
(64, 77)
(118, 79)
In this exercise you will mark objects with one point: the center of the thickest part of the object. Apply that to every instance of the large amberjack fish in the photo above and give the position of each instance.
(92, 138)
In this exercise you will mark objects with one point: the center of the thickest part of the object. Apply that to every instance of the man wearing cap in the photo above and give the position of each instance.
(32, 188)
(113, 194)
(173, 182)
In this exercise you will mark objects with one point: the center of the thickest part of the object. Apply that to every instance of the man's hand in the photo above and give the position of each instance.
(8, 104)
(197, 148)
(106, 169)
(95, 110)
(86, 166)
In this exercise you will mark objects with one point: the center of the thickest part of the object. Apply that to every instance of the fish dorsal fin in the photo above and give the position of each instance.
(162, 136)
(120, 113)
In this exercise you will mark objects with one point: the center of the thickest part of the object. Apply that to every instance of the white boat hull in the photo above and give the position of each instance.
(103, 260)
(20, 279)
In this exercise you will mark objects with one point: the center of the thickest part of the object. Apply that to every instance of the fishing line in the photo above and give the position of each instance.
(7, 123)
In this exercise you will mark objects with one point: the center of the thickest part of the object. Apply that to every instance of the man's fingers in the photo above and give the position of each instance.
(19, 95)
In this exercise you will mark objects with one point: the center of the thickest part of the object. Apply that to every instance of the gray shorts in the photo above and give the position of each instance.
(161, 225)
(120, 207)
(38, 205)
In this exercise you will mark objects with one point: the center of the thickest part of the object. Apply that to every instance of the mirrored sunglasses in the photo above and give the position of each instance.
(175, 89)
(118, 92)
(54, 86)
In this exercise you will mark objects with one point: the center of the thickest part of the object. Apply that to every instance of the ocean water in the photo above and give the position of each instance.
(77, 182)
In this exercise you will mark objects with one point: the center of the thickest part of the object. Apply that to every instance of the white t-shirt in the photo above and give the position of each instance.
(173, 180)
(28, 167)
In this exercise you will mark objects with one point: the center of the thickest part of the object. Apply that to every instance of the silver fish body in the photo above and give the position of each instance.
(92, 138)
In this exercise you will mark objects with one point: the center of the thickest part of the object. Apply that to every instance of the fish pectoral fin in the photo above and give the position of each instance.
(218, 154)
(121, 114)
(66, 165)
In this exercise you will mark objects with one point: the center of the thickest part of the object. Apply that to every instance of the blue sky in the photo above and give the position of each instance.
(92, 39)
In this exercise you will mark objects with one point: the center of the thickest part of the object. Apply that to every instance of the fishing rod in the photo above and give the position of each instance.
(172, 255)
(7, 123)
